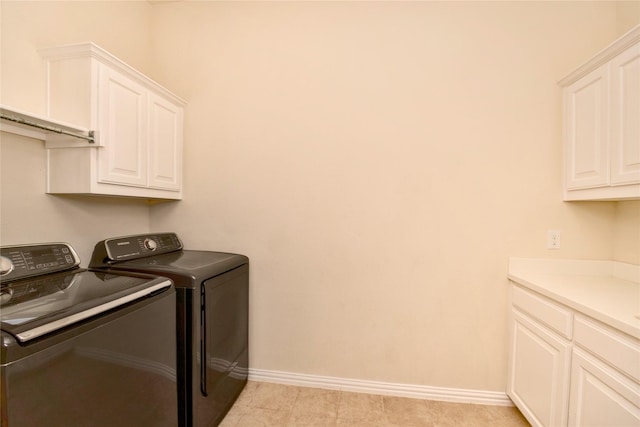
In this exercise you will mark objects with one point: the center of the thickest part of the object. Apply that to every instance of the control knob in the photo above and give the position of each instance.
(6, 266)
(150, 244)
(6, 295)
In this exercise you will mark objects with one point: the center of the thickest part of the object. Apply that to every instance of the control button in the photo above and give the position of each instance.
(5, 295)
(65, 250)
(6, 266)
(150, 244)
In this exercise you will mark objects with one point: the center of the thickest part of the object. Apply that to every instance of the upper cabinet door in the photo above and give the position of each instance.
(625, 123)
(123, 127)
(586, 125)
(165, 154)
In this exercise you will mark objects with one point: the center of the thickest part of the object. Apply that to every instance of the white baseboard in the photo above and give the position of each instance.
(382, 388)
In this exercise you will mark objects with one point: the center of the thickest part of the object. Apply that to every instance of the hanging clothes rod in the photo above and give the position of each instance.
(90, 137)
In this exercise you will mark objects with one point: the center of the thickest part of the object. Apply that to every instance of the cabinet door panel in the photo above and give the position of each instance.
(123, 124)
(538, 380)
(165, 154)
(586, 150)
(625, 126)
(600, 396)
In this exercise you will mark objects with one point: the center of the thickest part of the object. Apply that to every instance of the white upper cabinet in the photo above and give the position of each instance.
(138, 125)
(602, 124)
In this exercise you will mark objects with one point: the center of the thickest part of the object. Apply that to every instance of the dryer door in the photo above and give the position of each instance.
(224, 336)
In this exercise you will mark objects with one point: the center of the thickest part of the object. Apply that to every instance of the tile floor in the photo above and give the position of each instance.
(265, 404)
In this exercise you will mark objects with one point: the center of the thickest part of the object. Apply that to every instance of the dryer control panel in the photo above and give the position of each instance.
(138, 246)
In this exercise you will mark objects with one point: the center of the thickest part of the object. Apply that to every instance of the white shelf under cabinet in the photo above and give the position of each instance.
(53, 132)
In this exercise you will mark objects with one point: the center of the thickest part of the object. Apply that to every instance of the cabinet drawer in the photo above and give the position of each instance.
(619, 350)
(544, 310)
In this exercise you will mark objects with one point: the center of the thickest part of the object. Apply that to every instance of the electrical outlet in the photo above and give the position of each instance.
(553, 239)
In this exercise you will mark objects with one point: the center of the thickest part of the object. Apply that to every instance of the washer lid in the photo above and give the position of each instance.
(34, 307)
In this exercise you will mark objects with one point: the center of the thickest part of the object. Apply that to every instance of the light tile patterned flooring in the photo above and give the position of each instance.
(265, 404)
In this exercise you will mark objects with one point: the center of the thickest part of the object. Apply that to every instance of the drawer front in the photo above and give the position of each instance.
(553, 315)
(619, 350)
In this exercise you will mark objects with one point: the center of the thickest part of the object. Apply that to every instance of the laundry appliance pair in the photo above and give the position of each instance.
(150, 335)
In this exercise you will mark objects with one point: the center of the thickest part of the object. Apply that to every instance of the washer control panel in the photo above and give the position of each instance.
(17, 262)
(139, 246)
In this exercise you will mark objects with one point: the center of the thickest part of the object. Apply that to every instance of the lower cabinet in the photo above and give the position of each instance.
(566, 369)
(539, 368)
(600, 396)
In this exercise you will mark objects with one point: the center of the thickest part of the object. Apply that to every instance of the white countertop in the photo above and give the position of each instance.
(605, 290)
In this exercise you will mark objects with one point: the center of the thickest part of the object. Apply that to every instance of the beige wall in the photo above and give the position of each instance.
(379, 163)
(27, 214)
(627, 232)
(122, 27)
(628, 15)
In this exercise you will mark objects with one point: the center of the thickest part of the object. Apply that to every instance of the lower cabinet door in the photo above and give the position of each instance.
(600, 395)
(538, 378)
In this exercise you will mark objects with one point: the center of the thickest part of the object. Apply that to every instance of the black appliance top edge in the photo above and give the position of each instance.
(187, 268)
(36, 307)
